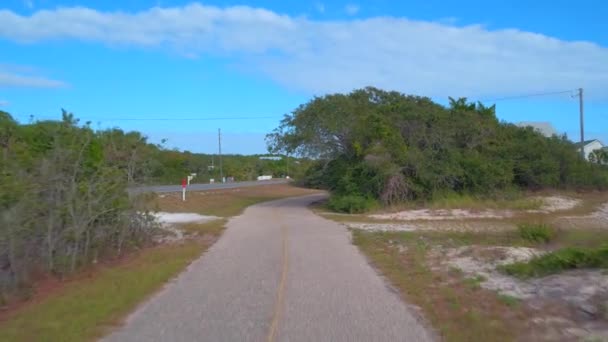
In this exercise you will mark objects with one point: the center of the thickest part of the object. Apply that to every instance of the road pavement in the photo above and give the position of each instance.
(201, 187)
(278, 273)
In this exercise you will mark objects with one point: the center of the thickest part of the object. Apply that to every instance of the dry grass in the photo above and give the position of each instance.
(212, 228)
(226, 202)
(85, 307)
(458, 308)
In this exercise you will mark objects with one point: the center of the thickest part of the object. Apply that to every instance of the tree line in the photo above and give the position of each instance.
(374, 146)
(64, 202)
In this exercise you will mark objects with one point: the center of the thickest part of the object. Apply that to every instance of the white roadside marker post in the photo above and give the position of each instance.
(184, 184)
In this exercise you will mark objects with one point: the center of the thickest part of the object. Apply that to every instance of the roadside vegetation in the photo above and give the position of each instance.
(426, 268)
(376, 147)
(456, 306)
(536, 232)
(64, 202)
(85, 306)
(227, 202)
(102, 295)
(560, 260)
(75, 243)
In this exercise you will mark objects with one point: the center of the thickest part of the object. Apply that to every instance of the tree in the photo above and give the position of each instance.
(394, 147)
(599, 156)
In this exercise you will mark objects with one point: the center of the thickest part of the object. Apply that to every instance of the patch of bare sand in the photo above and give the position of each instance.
(440, 226)
(169, 223)
(556, 203)
(442, 214)
(583, 292)
(550, 204)
(598, 218)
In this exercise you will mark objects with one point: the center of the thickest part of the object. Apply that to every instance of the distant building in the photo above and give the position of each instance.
(543, 127)
(590, 146)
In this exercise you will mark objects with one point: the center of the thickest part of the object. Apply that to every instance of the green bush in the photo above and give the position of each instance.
(561, 260)
(395, 148)
(537, 233)
(351, 204)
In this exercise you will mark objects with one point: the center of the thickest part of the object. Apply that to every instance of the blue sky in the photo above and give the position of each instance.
(124, 63)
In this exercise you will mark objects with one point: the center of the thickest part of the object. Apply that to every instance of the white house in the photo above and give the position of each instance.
(590, 146)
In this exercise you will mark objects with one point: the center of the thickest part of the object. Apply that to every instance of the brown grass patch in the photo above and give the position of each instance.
(457, 307)
(226, 202)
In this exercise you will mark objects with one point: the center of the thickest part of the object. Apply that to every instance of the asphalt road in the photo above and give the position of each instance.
(200, 187)
(278, 273)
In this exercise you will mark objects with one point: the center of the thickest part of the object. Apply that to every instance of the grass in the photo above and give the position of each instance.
(558, 261)
(458, 201)
(509, 300)
(351, 204)
(536, 232)
(475, 282)
(226, 202)
(82, 308)
(213, 228)
(458, 308)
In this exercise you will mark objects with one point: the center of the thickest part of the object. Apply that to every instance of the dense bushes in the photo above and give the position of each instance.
(391, 147)
(63, 192)
(351, 204)
(63, 198)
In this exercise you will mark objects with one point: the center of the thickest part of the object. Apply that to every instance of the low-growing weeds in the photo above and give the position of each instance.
(558, 261)
(508, 300)
(475, 282)
(536, 232)
(352, 204)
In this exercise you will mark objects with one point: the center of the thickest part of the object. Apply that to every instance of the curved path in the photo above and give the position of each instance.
(278, 273)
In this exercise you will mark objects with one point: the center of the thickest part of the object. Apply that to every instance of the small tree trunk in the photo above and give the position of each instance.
(75, 255)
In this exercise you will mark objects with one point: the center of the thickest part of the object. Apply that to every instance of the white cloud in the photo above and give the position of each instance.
(419, 57)
(3, 103)
(352, 9)
(25, 77)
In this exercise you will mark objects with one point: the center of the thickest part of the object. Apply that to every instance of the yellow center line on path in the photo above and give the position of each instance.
(278, 306)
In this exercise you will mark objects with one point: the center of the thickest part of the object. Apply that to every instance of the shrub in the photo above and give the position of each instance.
(560, 260)
(537, 233)
(351, 204)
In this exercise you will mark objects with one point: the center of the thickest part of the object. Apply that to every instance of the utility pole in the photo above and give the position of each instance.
(580, 98)
(286, 165)
(219, 139)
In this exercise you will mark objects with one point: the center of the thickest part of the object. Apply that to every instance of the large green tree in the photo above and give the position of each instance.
(393, 147)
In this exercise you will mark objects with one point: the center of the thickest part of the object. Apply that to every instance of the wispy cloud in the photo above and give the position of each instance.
(25, 77)
(419, 57)
(28, 3)
(352, 9)
(3, 103)
(320, 7)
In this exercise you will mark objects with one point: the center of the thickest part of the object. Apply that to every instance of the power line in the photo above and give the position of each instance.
(529, 95)
(162, 119)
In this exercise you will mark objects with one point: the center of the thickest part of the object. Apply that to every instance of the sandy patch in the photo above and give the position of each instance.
(599, 217)
(176, 218)
(169, 222)
(442, 226)
(443, 214)
(556, 203)
(584, 290)
(550, 204)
